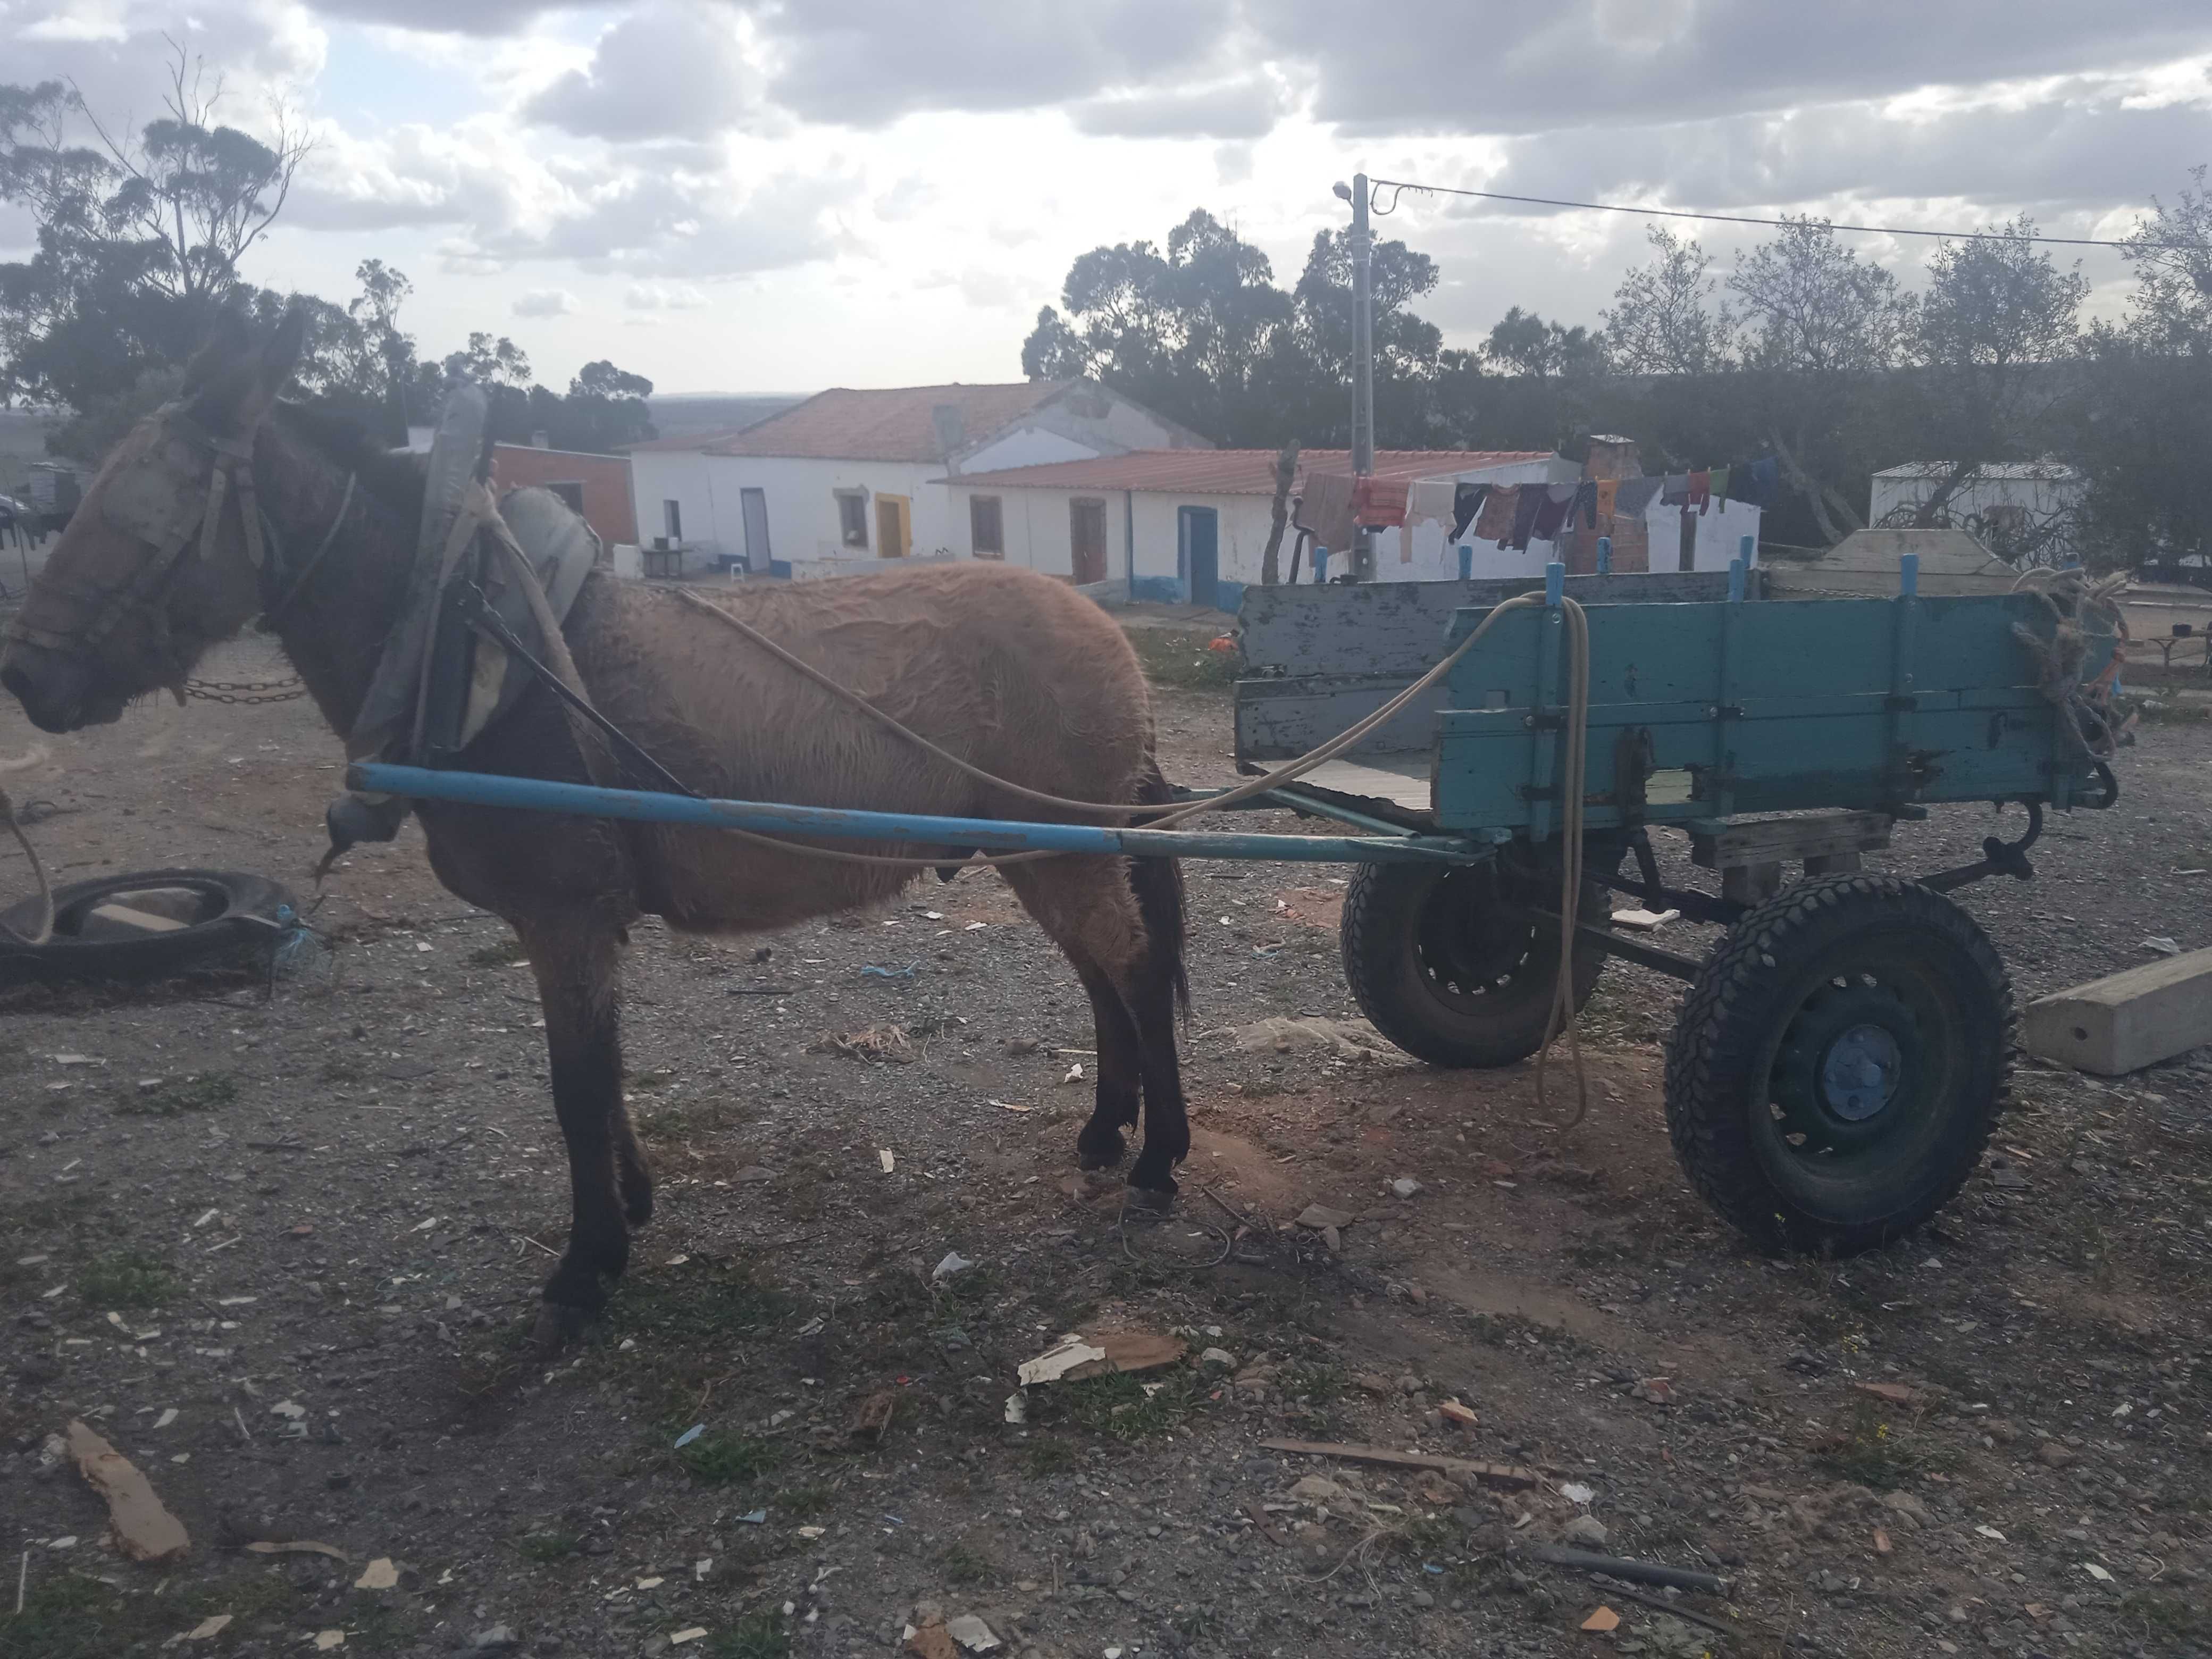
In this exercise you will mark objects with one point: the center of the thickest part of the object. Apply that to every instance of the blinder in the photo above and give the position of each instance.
(171, 491)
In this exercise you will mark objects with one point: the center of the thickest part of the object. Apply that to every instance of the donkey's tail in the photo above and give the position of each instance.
(1157, 884)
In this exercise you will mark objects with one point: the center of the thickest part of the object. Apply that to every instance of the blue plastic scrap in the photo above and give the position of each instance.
(906, 972)
(755, 1518)
(690, 1435)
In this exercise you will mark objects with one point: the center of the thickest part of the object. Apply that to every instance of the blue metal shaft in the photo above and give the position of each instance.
(841, 824)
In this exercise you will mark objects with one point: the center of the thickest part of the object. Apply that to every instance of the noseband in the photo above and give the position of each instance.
(169, 503)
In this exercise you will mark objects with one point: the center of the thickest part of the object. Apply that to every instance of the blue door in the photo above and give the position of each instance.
(1199, 529)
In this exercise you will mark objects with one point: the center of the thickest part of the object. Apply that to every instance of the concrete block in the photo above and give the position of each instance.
(2127, 1021)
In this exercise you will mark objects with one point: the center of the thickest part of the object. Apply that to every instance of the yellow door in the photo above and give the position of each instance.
(894, 526)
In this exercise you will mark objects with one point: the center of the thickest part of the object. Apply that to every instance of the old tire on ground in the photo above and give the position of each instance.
(235, 918)
(1451, 967)
(1838, 1067)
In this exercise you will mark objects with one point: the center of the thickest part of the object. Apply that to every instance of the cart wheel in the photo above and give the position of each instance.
(1838, 1064)
(1450, 969)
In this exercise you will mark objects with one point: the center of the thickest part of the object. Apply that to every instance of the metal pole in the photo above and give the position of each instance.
(1362, 367)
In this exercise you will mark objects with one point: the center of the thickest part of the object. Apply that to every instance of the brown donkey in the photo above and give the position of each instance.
(1009, 670)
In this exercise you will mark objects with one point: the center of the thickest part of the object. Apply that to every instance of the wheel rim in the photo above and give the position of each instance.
(1870, 1059)
(1471, 947)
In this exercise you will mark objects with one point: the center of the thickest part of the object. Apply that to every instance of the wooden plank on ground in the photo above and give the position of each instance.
(1508, 1476)
(2126, 1021)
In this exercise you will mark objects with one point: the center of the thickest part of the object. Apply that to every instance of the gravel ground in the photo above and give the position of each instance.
(281, 1249)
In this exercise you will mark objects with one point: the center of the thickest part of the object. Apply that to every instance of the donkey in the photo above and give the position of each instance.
(1014, 673)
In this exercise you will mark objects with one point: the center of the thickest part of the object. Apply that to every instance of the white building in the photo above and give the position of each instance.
(1193, 528)
(849, 476)
(2017, 509)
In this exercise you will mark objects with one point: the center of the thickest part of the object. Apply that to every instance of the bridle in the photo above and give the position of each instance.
(172, 507)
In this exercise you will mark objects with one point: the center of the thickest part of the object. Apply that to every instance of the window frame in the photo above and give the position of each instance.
(853, 530)
(998, 508)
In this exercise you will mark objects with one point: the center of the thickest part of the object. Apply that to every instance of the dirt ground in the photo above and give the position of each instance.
(282, 1246)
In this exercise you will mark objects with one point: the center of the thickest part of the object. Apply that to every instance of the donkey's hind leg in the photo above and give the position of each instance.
(1120, 1076)
(575, 961)
(1089, 908)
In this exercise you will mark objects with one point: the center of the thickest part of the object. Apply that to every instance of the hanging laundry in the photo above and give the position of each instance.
(1325, 509)
(1379, 503)
(1585, 502)
(1557, 501)
(1528, 501)
(1675, 491)
(1494, 520)
(1754, 483)
(1431, 499)
(1635, 495)
(1608, 497)
(1701, 491)
(1719, 487)
(1466, 501)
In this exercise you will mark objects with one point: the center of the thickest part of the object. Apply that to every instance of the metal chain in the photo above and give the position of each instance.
(247, 692)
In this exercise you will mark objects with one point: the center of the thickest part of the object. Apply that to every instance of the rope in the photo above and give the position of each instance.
(45, 927)
(1561, 1019)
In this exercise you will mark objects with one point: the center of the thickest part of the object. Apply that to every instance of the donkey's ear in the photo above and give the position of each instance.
(227, 344)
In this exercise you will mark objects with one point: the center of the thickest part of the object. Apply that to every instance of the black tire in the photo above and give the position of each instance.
(1838, 1067)
(237, 922)
(1451, 968)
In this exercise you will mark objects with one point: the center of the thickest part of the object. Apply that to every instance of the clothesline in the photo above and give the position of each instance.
(1335, 505)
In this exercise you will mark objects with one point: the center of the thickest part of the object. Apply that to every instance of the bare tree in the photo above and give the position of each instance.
(201, 194)
(1663, 321)
(1286, 472)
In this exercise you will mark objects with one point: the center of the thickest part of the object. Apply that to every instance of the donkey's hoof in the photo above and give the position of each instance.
(559, 1325)
(1099, 1148)
(1157, 1199)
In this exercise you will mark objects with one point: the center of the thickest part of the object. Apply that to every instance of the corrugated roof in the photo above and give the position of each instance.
(1235, 471)
(891, 423)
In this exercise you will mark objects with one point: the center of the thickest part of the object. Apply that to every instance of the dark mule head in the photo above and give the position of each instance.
(157, 563)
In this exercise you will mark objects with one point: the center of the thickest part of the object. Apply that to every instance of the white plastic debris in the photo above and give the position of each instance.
(1575, 1492)
(1017, 1407)
(1055, 1362)
(1074, 1073)
(971, 1632)
(953, 1265)
(884, 1157)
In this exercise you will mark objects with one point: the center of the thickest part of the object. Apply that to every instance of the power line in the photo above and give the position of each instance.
(1402, 185)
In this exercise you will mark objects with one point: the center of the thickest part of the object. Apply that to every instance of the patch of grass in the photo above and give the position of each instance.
(687, 1119)
(500, 953)
(1182, 657)
(725, 1460)
(760, 1637)
(1317, 1385)
(547, 1546)
(802, 1501)
(697, 1306)
(174, 1096)
(341, 1068)
(659, 1077)
(2170, 1616)
(126, 1278)
(964, 1563)
(1044, 1457)
(1874, 1452)
(1117, 1406)
(67, 1615)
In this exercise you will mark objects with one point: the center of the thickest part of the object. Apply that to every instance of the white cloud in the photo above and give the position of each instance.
(664, 296)
(672, 68)
(1236, 109)
(546, 302)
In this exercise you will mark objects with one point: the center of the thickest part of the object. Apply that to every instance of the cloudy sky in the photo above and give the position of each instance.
(777, 197)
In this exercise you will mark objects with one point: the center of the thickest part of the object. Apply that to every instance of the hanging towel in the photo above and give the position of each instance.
(1635, 497)
(1466, 501)
(1720, 486)
(1608, 499)
(1493, 522)
(1701, 490)
(1675, 490)
(1325, 509)
(1378, 503)
(1432, 498)
(1557, 501)
(1530, 501)
(1585, 502)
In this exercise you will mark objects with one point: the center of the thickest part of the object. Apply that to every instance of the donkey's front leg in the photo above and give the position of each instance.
(576, 962)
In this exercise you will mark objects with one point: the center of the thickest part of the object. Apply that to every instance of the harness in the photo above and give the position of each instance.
(173, 496)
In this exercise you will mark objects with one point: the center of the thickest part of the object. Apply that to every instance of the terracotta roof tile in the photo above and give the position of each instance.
(1236, 471)
(895, 423)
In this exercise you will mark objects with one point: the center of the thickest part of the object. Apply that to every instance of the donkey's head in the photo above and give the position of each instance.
(160, 559)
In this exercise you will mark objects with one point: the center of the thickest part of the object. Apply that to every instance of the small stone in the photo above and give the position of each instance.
(494, 1639)
(1585, 1532)
(1404, 1186)
(1220, 1357)
(2055, 1454)
(1421, 1598)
